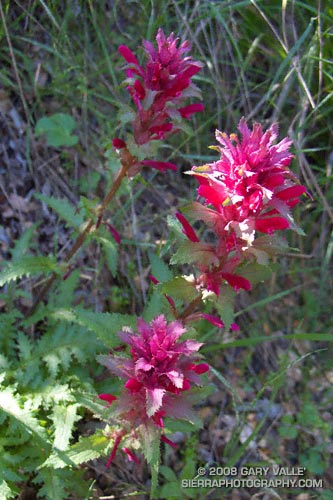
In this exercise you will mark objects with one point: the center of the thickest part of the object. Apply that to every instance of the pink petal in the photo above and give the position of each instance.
(291, 192)
(167, 441)
(271, 224)
(214, 320)
(128, 55)
(139, 89)
(187, 111)
(213, 196)
(201, 368)
(153, 279)
(118, 143)
(237, 282)
(133, 385)
(114, 232)
(131, 456)
(154, 400)
(187, 228)
(109, 398)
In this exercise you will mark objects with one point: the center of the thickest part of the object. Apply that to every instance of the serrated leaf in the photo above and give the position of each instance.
(22, 244)
(58, 129)
(27, 266)
(111, 253)
(92, 403)
(155, 306)
(152, 453)
(64, 418)
(159, 269)
(105, 325)
(190, 252)
(179, 288)
(225, 304)
(63, 208)
(256, 273)
(176, 226)
(171, 490)
(10, 406)
(88, 448)
(54, 487)
(6, 491)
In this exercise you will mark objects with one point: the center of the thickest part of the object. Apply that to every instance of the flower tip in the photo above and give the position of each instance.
(187, 228)
(109, 398)
(201, 368)
(118, 143)
(168, 441)
(153, 279)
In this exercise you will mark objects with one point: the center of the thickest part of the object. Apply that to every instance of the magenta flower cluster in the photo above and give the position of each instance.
(159, 89)
(158, 375)
(248, 191)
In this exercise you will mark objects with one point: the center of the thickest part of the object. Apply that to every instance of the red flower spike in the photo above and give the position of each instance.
(163, 83)
(187, 228)
(157, 374)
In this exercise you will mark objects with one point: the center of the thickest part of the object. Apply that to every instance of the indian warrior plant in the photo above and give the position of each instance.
(244, 200)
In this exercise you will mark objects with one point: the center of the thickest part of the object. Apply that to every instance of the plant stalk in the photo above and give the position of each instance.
(127, 160)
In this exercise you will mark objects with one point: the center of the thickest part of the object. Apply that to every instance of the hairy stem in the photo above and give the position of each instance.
(190, 308)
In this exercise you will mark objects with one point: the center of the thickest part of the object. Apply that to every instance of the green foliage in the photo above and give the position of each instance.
(179, 288)
(63, 209)
(104, 325)
(267, 61)
(27, 266)
(58, 129)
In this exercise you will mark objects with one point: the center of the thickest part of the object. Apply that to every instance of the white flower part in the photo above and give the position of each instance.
(244, 230)
(189, 277)
(208, 294)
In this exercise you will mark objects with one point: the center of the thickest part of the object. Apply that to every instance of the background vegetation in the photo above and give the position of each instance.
(267, 61)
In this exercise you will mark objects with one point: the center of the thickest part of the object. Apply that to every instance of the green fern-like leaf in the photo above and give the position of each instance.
(111, 254)
(64, 418)
(27, 266)
(104, 325)
(22, 244)
(63, 208)
(9, 405)
(88, 448)
(61, 483)
(6, 491)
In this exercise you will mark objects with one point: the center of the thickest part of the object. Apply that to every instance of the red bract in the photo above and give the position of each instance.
(159, 87)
